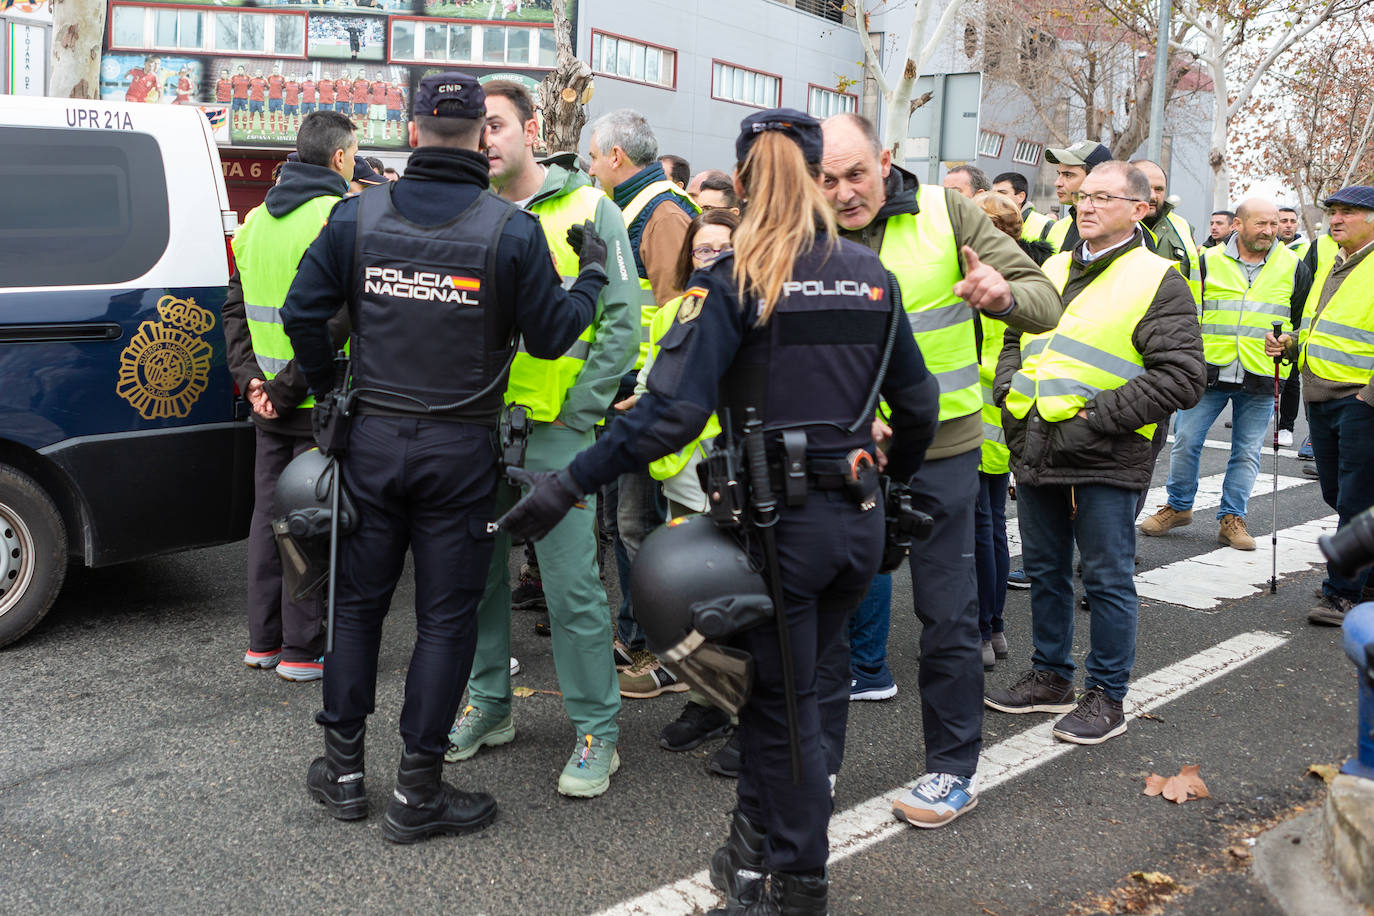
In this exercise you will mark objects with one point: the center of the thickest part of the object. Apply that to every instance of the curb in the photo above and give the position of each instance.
(1348, 822)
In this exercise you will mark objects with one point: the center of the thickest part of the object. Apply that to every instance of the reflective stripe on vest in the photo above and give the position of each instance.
(919, 249)
(1064, 372)
(1339, 346)
(267, 251)
(673, 464)
(648, 305)
(996, 456)
(542, 384)
(1236, 314)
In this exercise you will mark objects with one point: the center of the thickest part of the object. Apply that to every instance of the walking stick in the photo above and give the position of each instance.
(1274, 522)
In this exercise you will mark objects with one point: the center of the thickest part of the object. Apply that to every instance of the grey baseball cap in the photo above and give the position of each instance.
(1086, 153)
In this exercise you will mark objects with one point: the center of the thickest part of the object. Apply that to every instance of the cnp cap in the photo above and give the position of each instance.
(802, 129)
(463, 93)
(364, 173)
(1085, 153)
(1357, 195)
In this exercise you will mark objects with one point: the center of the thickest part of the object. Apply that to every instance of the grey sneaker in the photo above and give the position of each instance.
(999, 645)
(475, 731)
(989, 656)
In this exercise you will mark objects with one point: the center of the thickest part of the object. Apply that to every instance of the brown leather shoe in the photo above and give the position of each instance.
(1232, 533)
(1165, 520)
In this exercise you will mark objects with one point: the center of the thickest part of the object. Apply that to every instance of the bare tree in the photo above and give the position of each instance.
(564, 93)
(78, 28)
(897, 92)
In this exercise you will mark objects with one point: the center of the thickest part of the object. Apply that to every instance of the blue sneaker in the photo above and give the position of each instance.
(878, 686)
(1018, 579)
(936, 799)
(1305, 452)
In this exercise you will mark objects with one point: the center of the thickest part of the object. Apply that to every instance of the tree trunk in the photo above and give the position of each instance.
(564, 93)
(78, 28)
(1216, 156)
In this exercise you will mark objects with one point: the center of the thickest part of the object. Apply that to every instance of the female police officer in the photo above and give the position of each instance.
(794, 325)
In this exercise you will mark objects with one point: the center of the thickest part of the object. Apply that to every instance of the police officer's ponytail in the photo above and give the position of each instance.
(785, 208)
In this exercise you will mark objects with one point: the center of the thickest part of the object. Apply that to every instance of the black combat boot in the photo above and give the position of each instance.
(737, 867)
(800, 895)
(336, 779)
(423, 805)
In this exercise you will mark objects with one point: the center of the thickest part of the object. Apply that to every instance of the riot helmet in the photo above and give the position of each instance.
(301, 520)
(693, 587)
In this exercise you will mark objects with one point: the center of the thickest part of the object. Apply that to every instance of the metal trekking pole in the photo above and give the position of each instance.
(1274, 522)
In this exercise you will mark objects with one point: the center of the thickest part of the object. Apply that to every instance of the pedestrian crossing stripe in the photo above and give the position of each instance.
(1266, 446)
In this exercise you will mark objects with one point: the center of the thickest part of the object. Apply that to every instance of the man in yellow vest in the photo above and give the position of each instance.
(283, 632)
(1248, 284)
(1072, 165)
(1335, 350)
(1080, 407)
(951, 264)
(623, 154)
(566, 398)
(1168, 232)
(1035, 226)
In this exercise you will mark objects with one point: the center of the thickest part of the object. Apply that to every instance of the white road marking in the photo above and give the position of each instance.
(1205, 581)
(1208, 497)
(1266, 446)
(871, 822)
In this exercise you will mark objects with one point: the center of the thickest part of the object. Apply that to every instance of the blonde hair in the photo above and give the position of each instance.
(779, 222)
(1003, 212)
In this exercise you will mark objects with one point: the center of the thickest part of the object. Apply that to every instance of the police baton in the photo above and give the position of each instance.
(335, 482)
(765, 519)
(1274, 521)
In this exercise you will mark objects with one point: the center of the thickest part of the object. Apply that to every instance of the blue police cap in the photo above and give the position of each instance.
(797, 126)
(1357, 195)
(462, 92)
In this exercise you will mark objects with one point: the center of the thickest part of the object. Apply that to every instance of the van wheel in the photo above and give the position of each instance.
(33, 553)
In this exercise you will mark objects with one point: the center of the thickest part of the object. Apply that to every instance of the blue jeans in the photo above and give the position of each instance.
(1250, 416)
(1343, 443)
(1104, 528)
(990, 551)
(869, 626)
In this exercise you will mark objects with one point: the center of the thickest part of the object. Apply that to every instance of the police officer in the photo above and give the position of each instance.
(439, 275)
(793, 325)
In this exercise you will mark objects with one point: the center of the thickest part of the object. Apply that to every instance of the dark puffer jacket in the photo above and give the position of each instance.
(1103, 446)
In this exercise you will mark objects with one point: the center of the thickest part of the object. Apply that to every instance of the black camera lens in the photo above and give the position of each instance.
(1351, 548)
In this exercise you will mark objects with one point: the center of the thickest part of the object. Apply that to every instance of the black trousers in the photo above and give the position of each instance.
(828, 552)
(426, 486)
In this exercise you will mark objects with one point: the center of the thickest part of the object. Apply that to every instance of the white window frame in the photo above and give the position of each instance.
(640, 53)
(990, 143)
(722, 71)
(209, 16)
(847, 101)
(1027, 152)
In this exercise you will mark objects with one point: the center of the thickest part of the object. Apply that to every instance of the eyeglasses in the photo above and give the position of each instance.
(1102, 198)
(702, 252)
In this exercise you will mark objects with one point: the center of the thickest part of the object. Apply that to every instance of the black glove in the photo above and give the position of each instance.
(551, 495)
(590, 247)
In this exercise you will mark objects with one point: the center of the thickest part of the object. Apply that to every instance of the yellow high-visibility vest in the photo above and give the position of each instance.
(1236, 315)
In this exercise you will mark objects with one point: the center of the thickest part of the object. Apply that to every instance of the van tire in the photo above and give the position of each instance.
(33, 553)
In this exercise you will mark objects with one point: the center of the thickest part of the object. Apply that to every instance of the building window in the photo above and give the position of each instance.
(426, 41)
(632, 60)
(1027, 152)
(990, 143)
(822, 102)
(730, 83)
(148, 28)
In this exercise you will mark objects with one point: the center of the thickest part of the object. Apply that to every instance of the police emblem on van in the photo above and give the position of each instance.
(166, 367)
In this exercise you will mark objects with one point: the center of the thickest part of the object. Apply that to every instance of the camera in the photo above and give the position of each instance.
(1351, 548)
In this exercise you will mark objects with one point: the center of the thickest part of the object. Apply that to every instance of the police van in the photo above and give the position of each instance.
(121, 434)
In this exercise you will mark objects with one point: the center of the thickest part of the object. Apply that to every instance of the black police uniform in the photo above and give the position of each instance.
(438, 274)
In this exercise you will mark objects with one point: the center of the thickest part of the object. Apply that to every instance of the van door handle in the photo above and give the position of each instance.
(50, 333)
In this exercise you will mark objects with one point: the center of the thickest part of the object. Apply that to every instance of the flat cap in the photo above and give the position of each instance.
(1356, 195)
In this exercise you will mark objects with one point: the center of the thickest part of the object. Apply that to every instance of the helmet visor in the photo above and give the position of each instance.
(304, 561)
(723, 674)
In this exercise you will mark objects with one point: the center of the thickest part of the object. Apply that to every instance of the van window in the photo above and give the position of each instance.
(89, 209)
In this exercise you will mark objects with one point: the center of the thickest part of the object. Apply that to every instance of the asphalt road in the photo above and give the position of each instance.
(143, 768)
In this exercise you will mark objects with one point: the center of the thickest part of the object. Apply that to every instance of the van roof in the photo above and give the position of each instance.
(40, 111)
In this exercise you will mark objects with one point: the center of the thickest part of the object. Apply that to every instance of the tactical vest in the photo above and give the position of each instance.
(672, 465)
(267, 251)
(1339, 345)
(920, 249)
(1035, 226)
(815, 360)
(426, 328)
(1091, 350)
(996, 456)
(1236, 315)
(542, 384)
(637, 213)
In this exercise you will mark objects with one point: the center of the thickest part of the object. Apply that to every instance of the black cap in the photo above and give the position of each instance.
(364, 173)
(801, 128)
(463, 92)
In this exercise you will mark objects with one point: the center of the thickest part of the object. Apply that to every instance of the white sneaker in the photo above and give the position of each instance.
(514, 666)
(1285, 437)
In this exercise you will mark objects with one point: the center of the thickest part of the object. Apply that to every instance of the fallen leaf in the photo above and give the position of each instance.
(1325, 770)
(531, 691)
(1154, 784)
(1156, 878)
(1151, 716)
(1187, 784)
(1240, 852)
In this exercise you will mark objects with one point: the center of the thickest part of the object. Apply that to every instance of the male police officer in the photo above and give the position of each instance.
(1072, 165)
(438, 275)
(566, 397)
(1249, 283)
(947, 256)
(282, 631)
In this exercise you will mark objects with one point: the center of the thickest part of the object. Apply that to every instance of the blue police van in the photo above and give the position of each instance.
(121, 434)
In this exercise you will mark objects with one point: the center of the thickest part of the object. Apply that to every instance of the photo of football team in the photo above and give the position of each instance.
(268, 98)
(150, 78)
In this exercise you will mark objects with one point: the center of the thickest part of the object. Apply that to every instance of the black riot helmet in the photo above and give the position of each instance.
(692, 588)
(302, 518)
